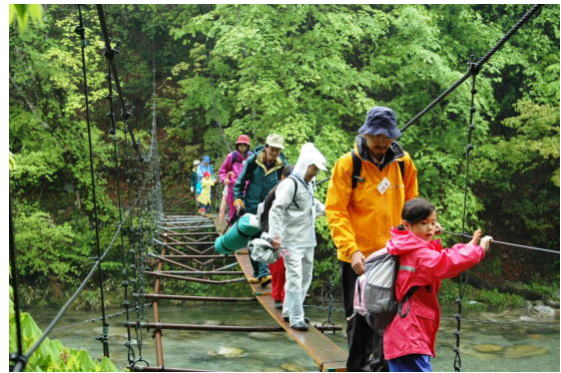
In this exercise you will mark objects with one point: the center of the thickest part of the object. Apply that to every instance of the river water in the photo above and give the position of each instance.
(518, 342)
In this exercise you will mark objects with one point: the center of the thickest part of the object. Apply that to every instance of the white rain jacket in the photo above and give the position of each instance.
(294, 210)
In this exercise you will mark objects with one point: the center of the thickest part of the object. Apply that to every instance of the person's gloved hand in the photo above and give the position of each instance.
(276, 243)
(239, 205)
(485, 243)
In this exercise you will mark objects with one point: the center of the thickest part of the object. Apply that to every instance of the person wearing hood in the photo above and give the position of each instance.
(202, 168)
(204, 197)
(409, 340)
(231, 169)
(205, 166)
(292, 226)
(261, 172)
(365, 196)
(194, 178)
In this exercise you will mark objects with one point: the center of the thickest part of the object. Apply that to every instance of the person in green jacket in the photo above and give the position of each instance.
(260, 174)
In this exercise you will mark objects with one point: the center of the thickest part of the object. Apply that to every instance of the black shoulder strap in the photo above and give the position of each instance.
(250, 168)
(401, 165)
(295, 191)
(357, 167)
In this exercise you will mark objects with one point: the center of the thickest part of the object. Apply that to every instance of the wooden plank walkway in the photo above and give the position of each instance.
(180, 238)
(326, 354)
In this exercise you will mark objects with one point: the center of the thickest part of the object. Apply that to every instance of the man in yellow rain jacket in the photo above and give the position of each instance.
(366, 194)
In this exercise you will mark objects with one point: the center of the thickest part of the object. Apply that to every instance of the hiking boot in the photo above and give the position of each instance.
(278, 305)
(286, 318)
(264, 281)
(300, 326)
(253, 280)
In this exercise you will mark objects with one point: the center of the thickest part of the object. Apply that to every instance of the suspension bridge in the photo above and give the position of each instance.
(180, 247)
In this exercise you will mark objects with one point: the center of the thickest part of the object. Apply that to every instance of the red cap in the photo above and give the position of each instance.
(206, 174)
(243, 139)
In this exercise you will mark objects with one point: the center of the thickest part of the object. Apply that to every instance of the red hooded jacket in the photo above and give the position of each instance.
(422, 263)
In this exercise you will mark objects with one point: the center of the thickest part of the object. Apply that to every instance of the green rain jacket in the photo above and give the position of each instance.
(255, 180)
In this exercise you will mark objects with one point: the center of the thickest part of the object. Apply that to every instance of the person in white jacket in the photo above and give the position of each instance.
(292, 227)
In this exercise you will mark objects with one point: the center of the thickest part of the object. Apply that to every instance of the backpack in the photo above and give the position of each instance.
(235, 157)
(357, 167)
(268, 203)
(374, 297)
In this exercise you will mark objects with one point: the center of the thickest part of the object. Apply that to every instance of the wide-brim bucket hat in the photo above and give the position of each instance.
(380, 120)
(276, 141)
(243, 139)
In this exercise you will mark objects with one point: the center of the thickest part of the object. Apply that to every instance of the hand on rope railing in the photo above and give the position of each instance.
(507, 244)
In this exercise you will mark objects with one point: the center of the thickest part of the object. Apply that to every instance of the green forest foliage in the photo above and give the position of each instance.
(52, 355)
(308, 72)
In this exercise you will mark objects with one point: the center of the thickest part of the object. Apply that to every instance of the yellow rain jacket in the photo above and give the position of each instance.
(361, 218)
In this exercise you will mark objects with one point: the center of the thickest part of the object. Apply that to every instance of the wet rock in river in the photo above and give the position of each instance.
(291, 367)
(488, 348)
(542, 330)
(480, 355)
(543, 311)
(552, 303)
(212, 322)
(521, 351)
(262, 336)
(228, 352)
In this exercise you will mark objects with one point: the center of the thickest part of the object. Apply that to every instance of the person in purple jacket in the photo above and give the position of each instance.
(232, 167)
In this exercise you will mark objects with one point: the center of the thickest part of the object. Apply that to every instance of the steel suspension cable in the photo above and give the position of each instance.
(130, 175)
(82, 33)
(126, 113)
(507, 244)
(462, 284)
(19, 367)
(20, 364)
(17, 358)
(476, 67)
(113, 132)
(110, 316)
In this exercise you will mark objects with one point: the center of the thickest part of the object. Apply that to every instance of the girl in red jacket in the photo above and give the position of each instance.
(409, 340)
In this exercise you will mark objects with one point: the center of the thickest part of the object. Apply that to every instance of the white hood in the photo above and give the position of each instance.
(309, 155)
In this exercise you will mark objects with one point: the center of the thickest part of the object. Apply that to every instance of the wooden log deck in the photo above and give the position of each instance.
(182, 235)
(328, 356)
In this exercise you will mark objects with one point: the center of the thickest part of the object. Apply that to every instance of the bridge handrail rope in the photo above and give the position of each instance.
(77, 292)
(462, 283)
(18, 357)
(82, 33)
(476, 67)
(94, 319)
(113, 132)
(22, 358)
(126, 113)
(507, 244)
(134, 233)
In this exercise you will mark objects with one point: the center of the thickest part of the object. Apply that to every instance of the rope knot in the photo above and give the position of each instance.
(109, 53)
(80, 31)
(473, 68)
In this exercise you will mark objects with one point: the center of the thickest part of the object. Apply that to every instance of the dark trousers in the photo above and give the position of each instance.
(260, 269)
(365, 344)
